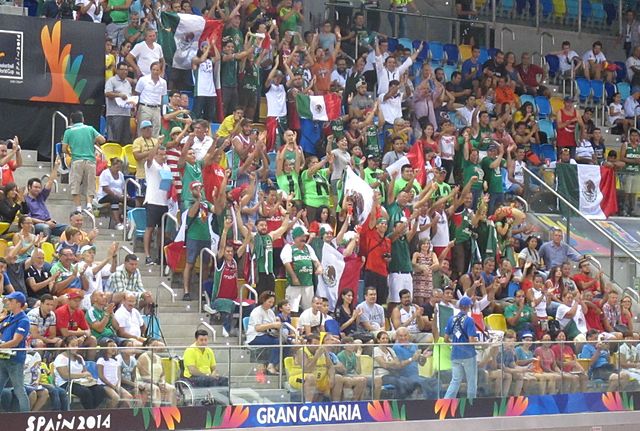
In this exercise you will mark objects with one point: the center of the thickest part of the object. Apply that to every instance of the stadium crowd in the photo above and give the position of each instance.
(439, 226)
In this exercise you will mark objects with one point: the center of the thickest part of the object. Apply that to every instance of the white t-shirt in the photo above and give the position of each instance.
(276, 101)
(307, 318)
(150, 91)
(95, 281)
(581, 321)
(631, 107)
(205, 85)
(618, 110)
(155, 195)
(115, 184)
(566, 60)
(441, 237)
(145, 56)
(130, 322)
(389, 355)
(74, 367)
(425, 234)
(341, 80)
(96, 17)
(259, 316)
(391, 108)
(374, 314)
(111, 370)
(631, 62)
(590, 56)
(584, 149)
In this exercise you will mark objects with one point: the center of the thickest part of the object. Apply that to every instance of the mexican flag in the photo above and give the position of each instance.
(332, 269)
(590, 188)
(361, 194)
(319, 108)
(182, 35)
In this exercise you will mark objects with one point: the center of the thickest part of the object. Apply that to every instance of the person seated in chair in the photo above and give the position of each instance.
(200, 363)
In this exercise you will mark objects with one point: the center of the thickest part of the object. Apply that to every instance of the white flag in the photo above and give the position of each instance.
(361, 193)
(332, 268)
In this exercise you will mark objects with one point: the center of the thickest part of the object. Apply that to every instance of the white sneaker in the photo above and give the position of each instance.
(207, 309)
(119, 226)
(225, 334)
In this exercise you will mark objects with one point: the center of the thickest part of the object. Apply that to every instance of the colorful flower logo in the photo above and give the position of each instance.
(227, 417)
(444, 406)
(65, 87)
(512, 406)
(171, 415)
(615, 402)
(386, 411)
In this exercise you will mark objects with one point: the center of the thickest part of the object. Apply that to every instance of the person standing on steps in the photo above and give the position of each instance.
(461, 330)
(14, 329)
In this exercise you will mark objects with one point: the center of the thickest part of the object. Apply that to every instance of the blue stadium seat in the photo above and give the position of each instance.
(392, 44)
(138, 216)
(214, 127)
(584, 89)
(492, 52)
(448, 71)
(624, 89)
(424, 54)
(92, 367)
(436, 49)
(548, 151)
(547, 127)
(609, 90)
(453, 53)
(586, 10)
(506, 8)
(597, 88)
(484, 55)
(598, 15)
(547, 8)
(528, 98)
(543, 106)
(621, 73)
(405, 42)
(572, 11)
(554, 65)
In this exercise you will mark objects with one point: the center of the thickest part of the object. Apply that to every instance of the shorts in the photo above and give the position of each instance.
(299, 296)
(631, 183)
(154, 214)
(514, 189)
(194, 247)
(322, 382)
(82, 177)
(398, 281)
(603, 372)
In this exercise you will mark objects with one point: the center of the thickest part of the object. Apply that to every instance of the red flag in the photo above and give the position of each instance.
(213, 27)
(416, 158)
(609, 202)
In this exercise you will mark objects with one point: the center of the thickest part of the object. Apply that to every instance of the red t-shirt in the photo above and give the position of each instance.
(7, 172)
(322, 71)
(376, 247)
(212, 177)
(564, 355)
(529, 76)
(72, 321)
(594, 320)
(584, 278)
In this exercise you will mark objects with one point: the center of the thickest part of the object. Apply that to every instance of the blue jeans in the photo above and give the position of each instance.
(402, 25)
(495, 200)
(11, 370)
(429, 386)
(463, 367)
(58, 398)
(48, 231)
(267, 340)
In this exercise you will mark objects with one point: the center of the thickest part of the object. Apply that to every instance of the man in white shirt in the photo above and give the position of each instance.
(632, 105)
(156, 200)
(312, 319)
(387, 69)
(144, 54)
(572, 309)
(130, 322)
(391, 104)
(593, 61)
(118, 124)
(372, 315)
(568, 58)
(201, 139)
(633, 68)
(151, 89)
(339, 76)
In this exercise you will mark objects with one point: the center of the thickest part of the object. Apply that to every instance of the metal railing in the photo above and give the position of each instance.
(201, 275)
(125, 219)
(53, 134)
(255, 294)
(594, 225)
(209, 327)
(55, 182)
(91, 217)
(163, 227)
(553, 43)
(502, 31)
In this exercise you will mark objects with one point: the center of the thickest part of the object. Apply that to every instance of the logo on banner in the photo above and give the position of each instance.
(589, 191)
(11, 45)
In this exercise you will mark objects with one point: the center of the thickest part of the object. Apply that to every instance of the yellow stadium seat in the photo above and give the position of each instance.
(426, 370)
(497, 322)
(3, 247)
(130, 161)
(171, 368)
(366, 365)
(559, 8)
(465, 52)
(585, 364)
(49, 252)
(4, 227)
(111, 150)
(281, 287)
(556, 104)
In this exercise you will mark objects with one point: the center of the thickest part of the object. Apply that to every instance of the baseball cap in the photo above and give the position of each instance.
(146, 123)
(297, 232)
(75, 294)
(526, 334)
(361, 83)
(195, 184)
(175, 130)
(86, 248)
(18, 296)
(465, 301)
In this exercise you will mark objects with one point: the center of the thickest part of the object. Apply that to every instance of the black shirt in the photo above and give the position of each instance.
(38, 276)
(497, 69)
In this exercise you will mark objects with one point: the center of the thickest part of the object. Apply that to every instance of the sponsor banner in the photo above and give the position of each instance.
(270, 415)
(44, 60)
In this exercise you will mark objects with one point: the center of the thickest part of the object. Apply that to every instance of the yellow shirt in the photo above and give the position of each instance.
(226, 127)
(141, 144)
(203, 359)
(109, 64)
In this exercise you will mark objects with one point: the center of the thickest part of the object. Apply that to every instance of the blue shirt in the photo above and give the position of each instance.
(467, 69)
(553, 255)
(459, 329)
(16, 324)
(403, 352)
(588, 350)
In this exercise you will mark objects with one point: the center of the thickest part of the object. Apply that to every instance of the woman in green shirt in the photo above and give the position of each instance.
(288, 176)
(315, 184)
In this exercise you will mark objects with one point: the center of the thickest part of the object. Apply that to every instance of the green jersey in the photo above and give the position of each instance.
(371, 145)
(444, 189)
(337, 128)
(81, 140)
(401, 184)
(302, 262)
(198, 226)
(632, 153)
(462, 226)
(236, 35)
(371, 176)
(400, 256)
(263, 253)
(229, 73)
(290, 183)
(493, 176)
(483, 138)
(190, 173)
(469, 170)
(95, 315)
(315, 188)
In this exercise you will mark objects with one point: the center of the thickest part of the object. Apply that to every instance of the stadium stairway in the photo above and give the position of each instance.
(178, 319)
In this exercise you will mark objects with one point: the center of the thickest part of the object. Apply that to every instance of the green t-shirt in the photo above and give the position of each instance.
(96, 315)
(469, 170)
(632, 153)
(290, 24)
(337, 128)
(371, 145)
(198, 226)
(400, 256)
(290, 183)
(493, 177)
(316, 188)
(263, 253)
(81, 139)
(350, 361)
(396, 212)
(229, 73)
(190, 173)
(371, 176)
(444, 189)
(401, 183)
(236, 35)
(462, 226)
(119, 16)
(302, 263)
(525, 317)
(250, 81)
(483, 138)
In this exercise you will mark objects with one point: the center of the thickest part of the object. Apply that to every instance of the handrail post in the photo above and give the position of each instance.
(215, 263)
(255, 294)
(125, 219)
(579, 16)
(538, 11)
(513, 36)
(53, 134)
(91, 216)
(493, 13)
(542, 36)
(209, 327)
(163, 222)
(596, 226)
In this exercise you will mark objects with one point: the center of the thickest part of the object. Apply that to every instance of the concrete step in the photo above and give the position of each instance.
(259, 395)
